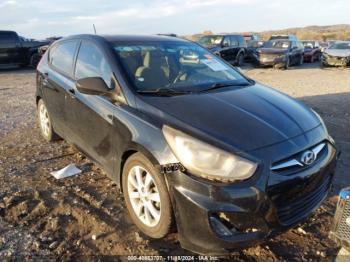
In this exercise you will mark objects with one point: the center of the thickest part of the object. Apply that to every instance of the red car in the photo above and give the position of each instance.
(312, 51)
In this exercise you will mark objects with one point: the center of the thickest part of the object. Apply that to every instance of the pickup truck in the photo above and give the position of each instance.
(16, 50)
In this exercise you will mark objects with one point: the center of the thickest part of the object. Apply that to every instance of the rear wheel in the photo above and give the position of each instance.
(146, 196)
(45, 123)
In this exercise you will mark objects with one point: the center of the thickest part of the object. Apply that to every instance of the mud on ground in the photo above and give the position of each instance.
(84, 216)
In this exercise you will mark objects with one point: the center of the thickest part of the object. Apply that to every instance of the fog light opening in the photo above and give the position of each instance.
(219, 227)
(222, 225)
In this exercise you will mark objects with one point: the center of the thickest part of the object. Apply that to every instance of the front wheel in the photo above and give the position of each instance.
(146, 196)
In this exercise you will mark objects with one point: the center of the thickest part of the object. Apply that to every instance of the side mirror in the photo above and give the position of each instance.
(225, 44)
(92, 86)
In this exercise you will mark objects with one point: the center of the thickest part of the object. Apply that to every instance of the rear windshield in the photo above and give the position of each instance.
(177, 65)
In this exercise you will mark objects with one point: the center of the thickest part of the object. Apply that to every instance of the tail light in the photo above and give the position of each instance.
(341, 227)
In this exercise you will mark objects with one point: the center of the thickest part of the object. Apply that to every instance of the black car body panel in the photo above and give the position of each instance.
(254, 122)
(241, 115)
(15, 50)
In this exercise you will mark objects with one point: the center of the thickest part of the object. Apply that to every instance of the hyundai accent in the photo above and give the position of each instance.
(193, 143)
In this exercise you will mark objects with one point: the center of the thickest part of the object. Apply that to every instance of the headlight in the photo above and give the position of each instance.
(281, 56)
(205, 160)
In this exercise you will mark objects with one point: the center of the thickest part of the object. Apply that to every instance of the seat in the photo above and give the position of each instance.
(152, 74)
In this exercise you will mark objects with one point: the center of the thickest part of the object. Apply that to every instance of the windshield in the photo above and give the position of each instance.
(181, 66)
(277, 44)
(210, 40)
(309, 44)
(340, 45)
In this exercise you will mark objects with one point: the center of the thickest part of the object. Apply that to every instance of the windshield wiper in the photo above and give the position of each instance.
(221, 85)
(163, 92)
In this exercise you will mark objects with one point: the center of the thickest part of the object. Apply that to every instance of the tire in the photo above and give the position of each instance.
(34, 60)
(45, 123)
(154, 218)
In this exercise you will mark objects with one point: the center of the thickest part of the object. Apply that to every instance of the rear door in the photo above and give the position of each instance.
(57, 81)
(90, 117)
(9, 48)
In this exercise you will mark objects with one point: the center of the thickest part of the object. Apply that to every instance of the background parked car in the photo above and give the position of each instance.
(312, 51)
(232, 48)
(16, 50)
(337, 54)
(281, 53)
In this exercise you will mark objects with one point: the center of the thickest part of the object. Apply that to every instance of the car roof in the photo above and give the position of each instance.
(125, 38)
(7, 31)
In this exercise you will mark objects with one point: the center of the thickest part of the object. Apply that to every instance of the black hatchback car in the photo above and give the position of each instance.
(190, 140)
(231, 48)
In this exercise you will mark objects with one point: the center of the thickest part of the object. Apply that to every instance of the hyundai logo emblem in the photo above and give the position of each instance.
(308, 157)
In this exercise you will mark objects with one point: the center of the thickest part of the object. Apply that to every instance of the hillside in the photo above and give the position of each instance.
(329, 32)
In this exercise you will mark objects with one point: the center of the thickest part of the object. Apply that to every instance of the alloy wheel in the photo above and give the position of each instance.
(144, 196)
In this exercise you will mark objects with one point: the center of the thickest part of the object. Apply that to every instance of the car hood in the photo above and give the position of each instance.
(338, 52)
(276, 51)
(245, 118)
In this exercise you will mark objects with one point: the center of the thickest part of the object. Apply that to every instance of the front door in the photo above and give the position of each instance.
(90, 117)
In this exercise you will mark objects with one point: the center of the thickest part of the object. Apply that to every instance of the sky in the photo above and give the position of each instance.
(41, 19)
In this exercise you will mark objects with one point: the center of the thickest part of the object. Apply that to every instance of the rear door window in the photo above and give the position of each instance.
(62, 57)
(91, 62)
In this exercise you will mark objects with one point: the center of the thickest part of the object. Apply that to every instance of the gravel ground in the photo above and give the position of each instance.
(84, 216)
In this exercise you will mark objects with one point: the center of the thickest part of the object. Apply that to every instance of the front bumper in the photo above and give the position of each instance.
(271, 60)
(335, 61)
(252, 210)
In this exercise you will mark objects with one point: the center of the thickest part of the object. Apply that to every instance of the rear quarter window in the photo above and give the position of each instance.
(61, 57)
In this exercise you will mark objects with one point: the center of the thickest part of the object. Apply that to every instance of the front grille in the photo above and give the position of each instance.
(293, 164)
(294, 211)
(341, 228)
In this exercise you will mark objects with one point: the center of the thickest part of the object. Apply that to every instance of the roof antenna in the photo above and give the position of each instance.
(94, 28)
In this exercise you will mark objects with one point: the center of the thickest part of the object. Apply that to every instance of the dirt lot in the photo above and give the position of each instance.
(85, 215)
